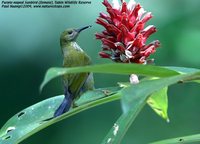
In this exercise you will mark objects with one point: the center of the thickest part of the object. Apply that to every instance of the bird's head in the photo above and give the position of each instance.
(71, 34)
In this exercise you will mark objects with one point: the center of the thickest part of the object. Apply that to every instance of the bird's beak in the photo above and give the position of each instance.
(83, 28)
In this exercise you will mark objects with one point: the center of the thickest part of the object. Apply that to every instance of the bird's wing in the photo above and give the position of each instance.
(89, 83)
(75, 83)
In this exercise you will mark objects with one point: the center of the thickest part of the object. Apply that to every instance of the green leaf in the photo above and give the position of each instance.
(34, 118)
(183, 70)
(28, 121)
(146, 88)
(196, 81)
(133, 100)
(124, 84)
(146, 70)
(121, 126)
(158, 101)
(90, 96)
(180, 140)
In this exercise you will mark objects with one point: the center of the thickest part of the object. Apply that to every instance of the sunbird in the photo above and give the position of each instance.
(73, 56)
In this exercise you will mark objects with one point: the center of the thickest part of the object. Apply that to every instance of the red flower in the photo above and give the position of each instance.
(124, 37)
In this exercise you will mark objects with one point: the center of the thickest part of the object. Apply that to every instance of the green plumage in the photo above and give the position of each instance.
(73, 56)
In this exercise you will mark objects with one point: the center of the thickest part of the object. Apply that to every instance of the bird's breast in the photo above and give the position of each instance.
(75, 58)
(76, 46)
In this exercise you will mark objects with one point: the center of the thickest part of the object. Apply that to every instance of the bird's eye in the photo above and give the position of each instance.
(70, 32)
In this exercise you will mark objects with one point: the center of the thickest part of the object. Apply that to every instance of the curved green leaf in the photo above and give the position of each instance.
(197, 81)
(28, 121)
(34, 118)
(133, 100)
(90, 96)
(121, 126)
(146, 70)
(158, 101)
(146, 88)
(183, 70)
(180, 140)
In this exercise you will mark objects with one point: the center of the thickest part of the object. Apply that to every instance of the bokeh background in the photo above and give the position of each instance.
(29, 45)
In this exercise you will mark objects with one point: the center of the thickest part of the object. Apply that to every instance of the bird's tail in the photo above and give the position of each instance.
(65, 105)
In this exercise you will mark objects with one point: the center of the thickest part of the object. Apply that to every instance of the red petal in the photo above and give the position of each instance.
(138, 27)
(105, 32)
(148, 31)
(111, 13)
(129, 37)
(100, 36)
(102, 22)
(124, 29)
(142, 60)
(119, 37)
(155, 43)
(106, 17)
(113, 29)
(105, 48)
(147, 17)
(104, 55)
(125, 19)
(139, 41)
(134, 14)
(124, 33)
(107, 4)
(124, 7)
(148, 51)
(120, 46)
(116, 22)
(108, 43)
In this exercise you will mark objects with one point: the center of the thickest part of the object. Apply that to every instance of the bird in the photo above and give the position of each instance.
(73, 56)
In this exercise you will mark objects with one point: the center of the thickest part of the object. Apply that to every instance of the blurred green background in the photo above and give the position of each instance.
(29, 45)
